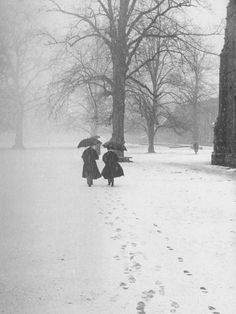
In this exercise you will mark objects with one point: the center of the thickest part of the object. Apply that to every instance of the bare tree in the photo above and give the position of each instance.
(122, 26)
(20, 67)
(76, 92)
(84, 110)
(195, 86)
(153, 96)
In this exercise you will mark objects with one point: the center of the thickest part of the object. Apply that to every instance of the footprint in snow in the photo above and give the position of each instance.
(115, 237)
(211, 308)
(157, 227)
(137, 266)
(174, 306)
(180, 259)
(140, 307)
(116, 257)
(131, 256)
(203, 289)
(123, 247)
(147, 295)
(132, 279)
(170, 248)
(124, 285)
(157, 268)
(187, 273)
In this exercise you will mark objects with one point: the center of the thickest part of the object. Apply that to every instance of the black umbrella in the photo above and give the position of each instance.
(114, 145)
(90, 141)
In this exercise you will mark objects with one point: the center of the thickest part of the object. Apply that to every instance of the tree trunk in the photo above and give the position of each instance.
(119, 54)
(195, 124)
(151, 137)
(19, 128)
(118, 114)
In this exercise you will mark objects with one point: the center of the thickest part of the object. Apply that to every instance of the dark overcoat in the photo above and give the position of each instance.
(112, 168)
(90, 168)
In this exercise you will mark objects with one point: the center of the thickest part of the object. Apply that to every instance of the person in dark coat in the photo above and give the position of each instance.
(195, 147)
(90, 169)
(112, 168)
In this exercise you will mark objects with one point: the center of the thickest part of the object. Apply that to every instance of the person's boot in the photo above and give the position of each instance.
(109, 182)
(112, 182)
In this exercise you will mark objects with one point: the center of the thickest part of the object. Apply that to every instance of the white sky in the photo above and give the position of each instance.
(209, 19)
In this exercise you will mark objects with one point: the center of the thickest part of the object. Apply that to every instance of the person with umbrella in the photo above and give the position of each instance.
(89, 156)
(112, 168)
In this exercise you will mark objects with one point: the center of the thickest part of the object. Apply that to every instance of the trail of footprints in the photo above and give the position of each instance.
(186, 272)
(134, 266)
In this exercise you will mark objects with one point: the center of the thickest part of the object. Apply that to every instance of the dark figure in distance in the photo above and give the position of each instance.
(195, 147)
(112, 168)
(90, 169)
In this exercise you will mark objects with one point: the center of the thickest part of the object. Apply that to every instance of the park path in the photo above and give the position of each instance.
(161, 241)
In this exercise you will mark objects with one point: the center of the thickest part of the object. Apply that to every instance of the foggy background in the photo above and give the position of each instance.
(32, 62)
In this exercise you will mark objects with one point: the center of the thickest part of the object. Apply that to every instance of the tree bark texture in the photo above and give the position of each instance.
(151, 137)
(119, 60)
(19, 128)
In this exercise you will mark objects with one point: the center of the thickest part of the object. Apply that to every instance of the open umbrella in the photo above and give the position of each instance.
(114, 145)
(90, 141)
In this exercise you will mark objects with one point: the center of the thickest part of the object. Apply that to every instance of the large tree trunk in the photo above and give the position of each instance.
(118, 114)
(19, 128)
(119, 54)
(151, 137)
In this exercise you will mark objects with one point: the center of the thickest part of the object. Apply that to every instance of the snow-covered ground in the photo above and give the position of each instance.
(161, 241)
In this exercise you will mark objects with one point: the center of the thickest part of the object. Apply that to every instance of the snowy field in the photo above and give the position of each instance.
(163, 240)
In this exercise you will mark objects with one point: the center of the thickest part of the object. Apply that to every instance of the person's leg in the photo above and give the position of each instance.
(112, 182)
(89, 180)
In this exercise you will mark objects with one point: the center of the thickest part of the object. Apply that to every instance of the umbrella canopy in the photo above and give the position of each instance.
(114, 145)
(90, 141)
